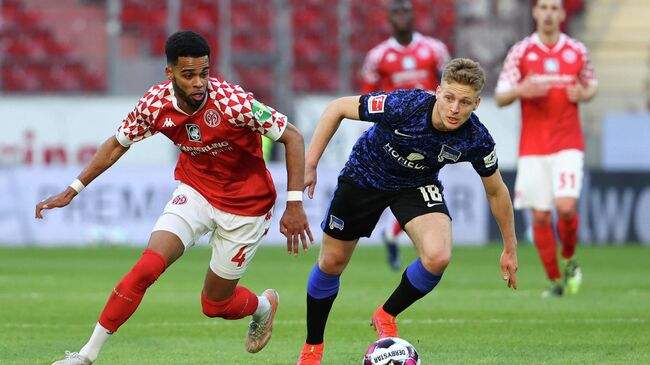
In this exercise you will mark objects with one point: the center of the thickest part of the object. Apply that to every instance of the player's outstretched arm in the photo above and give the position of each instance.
(345, 107)
(109, 152)
(294, 224)
(501, 206)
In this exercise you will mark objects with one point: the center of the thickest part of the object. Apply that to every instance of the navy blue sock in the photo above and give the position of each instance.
(322, 289)
(416, 283)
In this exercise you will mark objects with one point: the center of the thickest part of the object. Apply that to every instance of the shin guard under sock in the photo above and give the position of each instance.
(547, 249)
(416, 283)
(128, 293)
(322, 289)
(567, 230)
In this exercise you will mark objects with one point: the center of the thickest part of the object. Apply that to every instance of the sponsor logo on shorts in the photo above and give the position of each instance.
(179, 199)
(376, 104)
(448, 153)
(336, 222)
(211, 118)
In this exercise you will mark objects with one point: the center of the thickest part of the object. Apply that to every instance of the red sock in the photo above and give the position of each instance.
(241, 303)
(397, 229)
(546, 247)
(128, 293)
(567, 229)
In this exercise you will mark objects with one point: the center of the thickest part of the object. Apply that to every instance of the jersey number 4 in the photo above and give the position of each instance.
(239, 257)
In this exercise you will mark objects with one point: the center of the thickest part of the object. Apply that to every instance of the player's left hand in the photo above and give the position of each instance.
(575, 92)
(295, 227)
(509, 268)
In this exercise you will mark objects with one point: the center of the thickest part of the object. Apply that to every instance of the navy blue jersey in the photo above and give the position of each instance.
(403, 150)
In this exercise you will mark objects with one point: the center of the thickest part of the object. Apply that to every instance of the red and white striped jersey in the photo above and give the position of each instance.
(220, 143)
(551, 123)
(390, 66)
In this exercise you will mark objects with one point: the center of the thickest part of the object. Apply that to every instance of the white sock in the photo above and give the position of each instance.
(97, 339)
(263, 307)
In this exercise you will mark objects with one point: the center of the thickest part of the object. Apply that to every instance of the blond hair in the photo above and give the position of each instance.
(465, 72)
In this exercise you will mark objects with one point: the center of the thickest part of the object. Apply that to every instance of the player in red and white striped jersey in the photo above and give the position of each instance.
(225, 189)
(407, 60)
(551, 73)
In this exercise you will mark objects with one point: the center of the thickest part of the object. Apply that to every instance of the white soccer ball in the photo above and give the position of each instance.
(391, 351)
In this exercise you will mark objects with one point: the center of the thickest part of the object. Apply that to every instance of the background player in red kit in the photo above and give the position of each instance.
(551, 73)
(407, 60)
(224, 189)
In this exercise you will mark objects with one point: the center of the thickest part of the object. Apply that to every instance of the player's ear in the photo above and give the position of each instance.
(478, 101)
(168, 72)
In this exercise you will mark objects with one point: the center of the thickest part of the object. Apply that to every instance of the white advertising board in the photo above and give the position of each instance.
(121, 206)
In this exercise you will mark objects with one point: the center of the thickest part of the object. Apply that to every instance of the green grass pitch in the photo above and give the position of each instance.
(51, 298)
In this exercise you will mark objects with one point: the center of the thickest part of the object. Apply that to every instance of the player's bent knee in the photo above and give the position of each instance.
(332, 264)
(147, 270)
(436, 263)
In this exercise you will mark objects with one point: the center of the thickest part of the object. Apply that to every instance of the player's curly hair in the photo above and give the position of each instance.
(466, 72)
(185, 44)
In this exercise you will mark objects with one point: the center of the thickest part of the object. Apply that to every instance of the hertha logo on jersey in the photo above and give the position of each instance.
(376, 104)
(211, 118)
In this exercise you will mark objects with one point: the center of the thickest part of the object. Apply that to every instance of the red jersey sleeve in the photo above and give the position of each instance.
(511, 73)
(139, 124)
(244, 111)
(369, 70)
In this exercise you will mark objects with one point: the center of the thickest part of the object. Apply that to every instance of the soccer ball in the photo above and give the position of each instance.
(391, 351)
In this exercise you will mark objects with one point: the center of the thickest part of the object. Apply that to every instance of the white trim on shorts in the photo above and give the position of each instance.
(234, 239)
(542, 179)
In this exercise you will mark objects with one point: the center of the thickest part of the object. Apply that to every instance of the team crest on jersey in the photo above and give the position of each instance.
(569, 56)
(551, 65)
(448, 153)
(193, 133)
(211, 118)
(376, 104)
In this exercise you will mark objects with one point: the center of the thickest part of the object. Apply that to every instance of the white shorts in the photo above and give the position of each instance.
(234, 240)
(542, 179)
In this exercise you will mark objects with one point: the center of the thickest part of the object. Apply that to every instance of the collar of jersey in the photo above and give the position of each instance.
(175, 102)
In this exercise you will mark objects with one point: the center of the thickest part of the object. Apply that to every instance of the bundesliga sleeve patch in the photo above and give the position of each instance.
(491, 159)
(376, 104)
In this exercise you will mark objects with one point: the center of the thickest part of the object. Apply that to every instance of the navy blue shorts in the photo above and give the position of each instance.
(354, 211)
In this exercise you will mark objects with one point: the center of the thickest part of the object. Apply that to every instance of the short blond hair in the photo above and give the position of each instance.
(465, 72)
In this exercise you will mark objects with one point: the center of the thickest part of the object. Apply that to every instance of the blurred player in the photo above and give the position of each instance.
(550, 73)
(395, 164)
(407, 60)
(224, 189)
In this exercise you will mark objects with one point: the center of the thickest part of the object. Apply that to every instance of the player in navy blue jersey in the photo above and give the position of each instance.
(395, 164)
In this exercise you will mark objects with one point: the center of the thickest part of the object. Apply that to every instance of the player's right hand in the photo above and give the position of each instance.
(531, 88)
(56, 201)
(310, 180)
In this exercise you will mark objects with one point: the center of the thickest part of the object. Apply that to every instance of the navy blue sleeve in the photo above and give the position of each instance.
(380, 106)
(485, 160)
